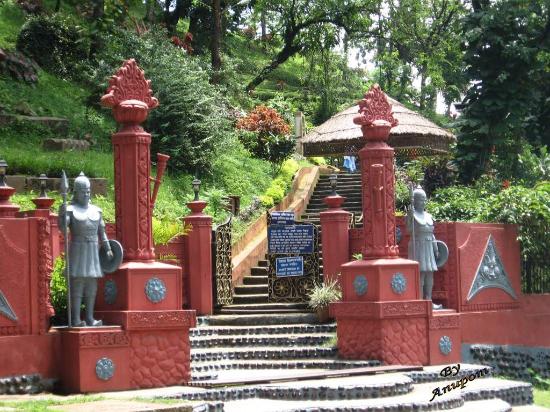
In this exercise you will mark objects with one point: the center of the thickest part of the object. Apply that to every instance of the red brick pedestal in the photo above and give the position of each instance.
(335, 223)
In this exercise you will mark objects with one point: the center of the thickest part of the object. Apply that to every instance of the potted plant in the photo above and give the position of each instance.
(322, 295)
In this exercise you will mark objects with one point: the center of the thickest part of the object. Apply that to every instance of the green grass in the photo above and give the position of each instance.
(542, 397)
(48, 404)
(11, 19)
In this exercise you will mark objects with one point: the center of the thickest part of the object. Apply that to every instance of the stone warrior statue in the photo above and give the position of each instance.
(83, 262)
(423, 247)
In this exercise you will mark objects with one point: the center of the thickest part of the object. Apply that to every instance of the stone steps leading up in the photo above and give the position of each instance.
(249, 298)
(261, 319)
(255, 280)
(262, 330)
(261, 340)
(389, 392)
(244, 353)
(255, 289)
(266, 365)
(229, 310)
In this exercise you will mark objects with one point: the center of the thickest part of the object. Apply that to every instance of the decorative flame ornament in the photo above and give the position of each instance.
(129, 95)
(375, 106)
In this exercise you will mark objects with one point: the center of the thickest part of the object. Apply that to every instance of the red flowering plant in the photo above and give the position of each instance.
(266, 134)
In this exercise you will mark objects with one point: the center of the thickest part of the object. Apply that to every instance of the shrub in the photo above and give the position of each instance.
(191, 123)
(58, 289)
(530, 209)
(54, 43)
(323, 294)
(270, 139)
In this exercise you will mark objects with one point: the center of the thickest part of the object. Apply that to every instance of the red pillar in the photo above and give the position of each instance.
(381, 315)
(142, 300)
(199, 264)
(335, 235)
(130, 97)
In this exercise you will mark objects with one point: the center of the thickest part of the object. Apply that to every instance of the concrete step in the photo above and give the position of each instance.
(283, 365)
(294, 340)
(262, 263)
(267, 306)
(249, 299)
(262, 330)
(272, 312)
(259, 270)
(392, 392)
(244, 353)
(255, 280)
(251, 289)
(261, 319)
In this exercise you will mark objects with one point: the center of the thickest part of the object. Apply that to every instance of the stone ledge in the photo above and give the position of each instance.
(23, 183)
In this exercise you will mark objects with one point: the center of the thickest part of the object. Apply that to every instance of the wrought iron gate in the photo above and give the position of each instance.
(295, 289)
(221, 264)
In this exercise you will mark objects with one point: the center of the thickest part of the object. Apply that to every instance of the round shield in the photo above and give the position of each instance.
(110, 265)
(443, 254)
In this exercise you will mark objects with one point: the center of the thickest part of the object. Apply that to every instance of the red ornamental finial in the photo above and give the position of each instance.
(129, 84)
(375, 106)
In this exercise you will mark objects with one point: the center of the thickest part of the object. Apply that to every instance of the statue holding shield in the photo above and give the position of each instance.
(85, 263)
(430, 253)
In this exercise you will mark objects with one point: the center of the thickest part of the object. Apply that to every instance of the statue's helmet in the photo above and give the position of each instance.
(419, 193)
(81, 182)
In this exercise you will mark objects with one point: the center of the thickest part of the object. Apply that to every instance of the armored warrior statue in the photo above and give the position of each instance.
(83, 261)
(423, 247)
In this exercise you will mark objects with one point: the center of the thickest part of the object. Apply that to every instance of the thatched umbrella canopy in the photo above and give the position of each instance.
(413, 136)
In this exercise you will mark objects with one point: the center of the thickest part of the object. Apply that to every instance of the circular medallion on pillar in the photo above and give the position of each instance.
(360, 285)
(445, 345)
(398, 283)
(155, 290)
(110, 292)
(104, 369)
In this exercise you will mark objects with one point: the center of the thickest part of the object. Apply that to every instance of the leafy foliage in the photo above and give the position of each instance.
(58, 288)
(191, 123)
(507, 58)
(59, 37)
(270, 139)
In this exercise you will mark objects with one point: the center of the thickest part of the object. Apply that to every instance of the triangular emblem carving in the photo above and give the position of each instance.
(5, 308)
(491, 273)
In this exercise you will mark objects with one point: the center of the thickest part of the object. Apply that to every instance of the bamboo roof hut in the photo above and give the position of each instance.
(413, 136)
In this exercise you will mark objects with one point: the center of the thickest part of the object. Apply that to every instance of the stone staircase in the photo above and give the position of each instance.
(252, 296)
(225, 346)
(349, 186)
(229, 359)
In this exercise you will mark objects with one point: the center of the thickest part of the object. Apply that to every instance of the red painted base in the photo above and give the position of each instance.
(379, 274)
(130, 282)
(392, 332)
(151, 351)
(27, 354)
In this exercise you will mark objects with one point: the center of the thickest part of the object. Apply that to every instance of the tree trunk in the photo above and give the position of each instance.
(215, 42)
(288, 51)
(263, 26)
(422, 87)
(150, 11)
(97, 15)
(57, 5)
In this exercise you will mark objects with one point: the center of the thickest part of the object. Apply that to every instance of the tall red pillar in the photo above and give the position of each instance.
(199, 265)
(335, 234)
(147, 342)
(381, 315)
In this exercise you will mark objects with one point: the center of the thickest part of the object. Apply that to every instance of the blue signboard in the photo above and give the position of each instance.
(282, 218)
(289, 266)
(284, 239)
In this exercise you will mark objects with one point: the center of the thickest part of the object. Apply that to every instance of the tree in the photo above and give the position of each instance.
(294, 18)
(421, 36)
(507, 47)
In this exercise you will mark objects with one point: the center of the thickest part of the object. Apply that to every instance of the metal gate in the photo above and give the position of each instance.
(295, 289)
(221, 264)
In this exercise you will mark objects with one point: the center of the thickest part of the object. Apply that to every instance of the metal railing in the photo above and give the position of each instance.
(535, 276)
